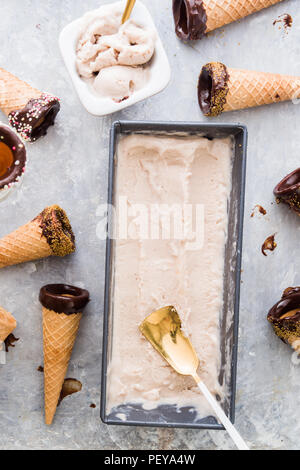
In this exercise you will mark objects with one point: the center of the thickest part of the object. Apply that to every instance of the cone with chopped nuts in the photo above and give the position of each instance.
(223, 89)
(49, 234)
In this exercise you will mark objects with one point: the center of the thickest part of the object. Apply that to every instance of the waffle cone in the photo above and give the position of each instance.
(7, 324)
(14, 93)
(59, 332)
(222, 12)
(247, 89)
(27, 243)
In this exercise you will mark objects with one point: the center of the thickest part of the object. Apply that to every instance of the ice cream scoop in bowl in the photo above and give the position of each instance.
(163, 329)
(98, 42)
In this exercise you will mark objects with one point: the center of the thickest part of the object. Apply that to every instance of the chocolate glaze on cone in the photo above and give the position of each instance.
(285, 317)
(225, 89)
(49, 234)
(194, 18)
(59, 332)
(288, 191)
(30, 111)
(11, 148)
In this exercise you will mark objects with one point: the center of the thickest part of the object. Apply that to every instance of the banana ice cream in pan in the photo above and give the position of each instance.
(114, 57)
(151, 272)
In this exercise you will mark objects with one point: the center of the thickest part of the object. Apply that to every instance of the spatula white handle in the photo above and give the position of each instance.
(235, 436)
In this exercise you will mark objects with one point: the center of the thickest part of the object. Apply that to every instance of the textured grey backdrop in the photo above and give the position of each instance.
(69, 167)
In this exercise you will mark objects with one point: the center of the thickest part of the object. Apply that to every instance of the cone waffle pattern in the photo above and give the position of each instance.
(248, 89)
(27, 243)
(14, 93)
(60, 332)
(222, 12)
(7, 324)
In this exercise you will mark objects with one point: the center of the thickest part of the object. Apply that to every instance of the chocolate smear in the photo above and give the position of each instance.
(9, 342)
(269, 244)
(285, 20)
(260, 209)
(69, 387)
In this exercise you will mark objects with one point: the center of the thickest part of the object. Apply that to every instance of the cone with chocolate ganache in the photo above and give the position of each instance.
(288, 191)
(29, 110)
(285, 317)
(195, 18)
(223, 89)
(7, 325)
(49, 234)
(12, 160)
(62, 311)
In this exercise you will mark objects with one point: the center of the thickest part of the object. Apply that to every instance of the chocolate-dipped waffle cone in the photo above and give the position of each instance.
(12, 160)
(288, 191)
(29, 110)
(7, 324)
(62, 311)
(223, 89)
(194, 18)
(285, 317)
(50, 233)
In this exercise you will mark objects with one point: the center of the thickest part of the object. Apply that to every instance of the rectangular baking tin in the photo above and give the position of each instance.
(165, 415)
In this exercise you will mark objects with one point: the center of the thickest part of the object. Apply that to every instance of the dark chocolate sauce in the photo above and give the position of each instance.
(62, 298)
(33, 121)
(9, 342)
(190, 19)
(12, 151)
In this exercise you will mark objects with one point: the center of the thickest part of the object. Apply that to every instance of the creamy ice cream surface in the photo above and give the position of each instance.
(105, 46)
(151, 271)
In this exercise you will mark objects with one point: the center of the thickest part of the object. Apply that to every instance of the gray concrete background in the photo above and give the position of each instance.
(69, 167)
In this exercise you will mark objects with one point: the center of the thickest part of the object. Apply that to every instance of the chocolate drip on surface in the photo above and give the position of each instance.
(12, 157)
(33, 121)
(190, 19)
(269, 244)
(213, 88)
(288, 191)
(63, 298)
(57, 230)
(285, 315)
(9, 342)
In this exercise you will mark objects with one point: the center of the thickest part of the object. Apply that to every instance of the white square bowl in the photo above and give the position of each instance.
(160, 72)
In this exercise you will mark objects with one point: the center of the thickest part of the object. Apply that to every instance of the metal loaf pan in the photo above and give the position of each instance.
(165, 415)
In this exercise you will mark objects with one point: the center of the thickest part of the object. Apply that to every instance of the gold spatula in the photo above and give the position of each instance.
(128, 10)
(163, 329)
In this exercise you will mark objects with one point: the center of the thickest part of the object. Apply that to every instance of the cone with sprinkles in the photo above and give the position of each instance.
(30, 112)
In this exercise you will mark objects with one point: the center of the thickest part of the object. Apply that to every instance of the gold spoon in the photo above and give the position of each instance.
(163, 329)
(128, 10)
